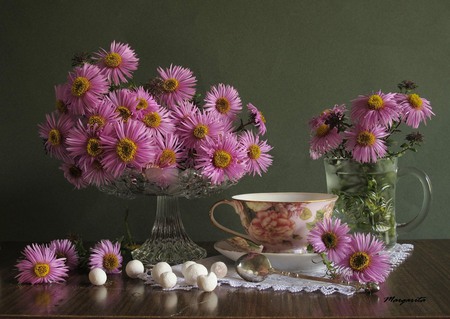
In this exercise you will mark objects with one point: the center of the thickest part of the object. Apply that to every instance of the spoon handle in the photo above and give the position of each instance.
(369, 287)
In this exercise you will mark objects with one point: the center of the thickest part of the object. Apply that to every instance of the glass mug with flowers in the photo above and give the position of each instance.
(361, 158)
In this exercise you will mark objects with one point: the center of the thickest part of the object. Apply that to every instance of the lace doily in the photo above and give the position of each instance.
(397, 255)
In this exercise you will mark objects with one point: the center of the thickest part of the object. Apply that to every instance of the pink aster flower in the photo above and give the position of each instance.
(146, 102)
(96, 174)
(64, 248)
(330, 236)
(258, 160)
(157, 121)
(378, 108)
(366, 144)
(183, 111)
(199, 127)
(54, 131)
(83, 143)
(223, 101)
(106, 255)
(61, 104)
(221, 159)
(74, 173)
(366, 260)
(127, 145)
(169, 151)
(324, 137)
(40, 265)
(124, 102)
(85, 87)
(415, 109)
(178, 85)
(118, 63)
(102, 114)
(258, 118)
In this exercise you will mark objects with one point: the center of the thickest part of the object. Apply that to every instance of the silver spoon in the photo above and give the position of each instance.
(256, 267)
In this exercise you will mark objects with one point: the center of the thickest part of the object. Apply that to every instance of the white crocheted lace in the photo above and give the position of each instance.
(398, 254)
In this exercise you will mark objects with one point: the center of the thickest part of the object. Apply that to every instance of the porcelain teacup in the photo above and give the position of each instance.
(280, 222)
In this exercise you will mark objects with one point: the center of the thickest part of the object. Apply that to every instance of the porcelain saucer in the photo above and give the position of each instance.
(306, 262)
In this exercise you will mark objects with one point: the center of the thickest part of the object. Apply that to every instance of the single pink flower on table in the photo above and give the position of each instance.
(85, 87)
(178, 85)
(118, 62)
(366, 260)
(127, 145)
(221, 159)
(376, 109)
(258, 118)
(366, 144)
(40, 265)
(415, 109)
(330, 236)
(64, 248)
(54, 132)
(258, 158)
(223, 101)
(106, 255)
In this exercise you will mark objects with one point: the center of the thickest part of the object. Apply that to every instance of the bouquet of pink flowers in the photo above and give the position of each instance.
(373, 120)
(104, 124)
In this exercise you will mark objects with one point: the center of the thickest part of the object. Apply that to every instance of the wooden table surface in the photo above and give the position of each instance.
(418, 288)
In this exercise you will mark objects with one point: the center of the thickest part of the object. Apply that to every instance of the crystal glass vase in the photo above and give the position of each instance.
(168, 240)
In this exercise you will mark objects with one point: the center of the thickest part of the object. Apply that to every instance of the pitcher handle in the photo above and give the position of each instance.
(426, 203)
(234, 204)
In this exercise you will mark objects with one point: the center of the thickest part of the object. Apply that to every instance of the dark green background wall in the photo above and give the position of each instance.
(290, 58)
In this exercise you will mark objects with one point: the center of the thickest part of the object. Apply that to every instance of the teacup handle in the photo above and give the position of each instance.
(232, 203)
(426, 203)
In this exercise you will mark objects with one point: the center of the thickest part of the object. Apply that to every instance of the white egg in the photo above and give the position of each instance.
(193, 271)
(160, 268)
(134, 268)
(97, 276)
(185, 266)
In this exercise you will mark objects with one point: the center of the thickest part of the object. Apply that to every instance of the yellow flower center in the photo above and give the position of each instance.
(80, 86)
(415, 101)
(126, 149)
(254, 151)
(263, 119)
(152, 120)
(168, 157)
(170, 85)
(359, 261)
(112, 60)
(221, 159)
(200, 131)
(142, 104)
(365, 138)
(96, 119)
(41, 269)
(54, 137)
(330, 240)
(93, 147)
(322, 130)
(124, 113)
(110, 261)
(222, 105)
(375, 102)
(61, 106)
